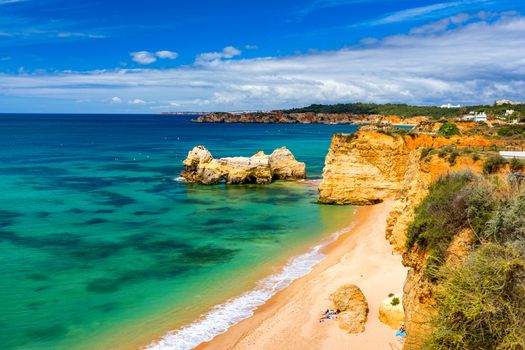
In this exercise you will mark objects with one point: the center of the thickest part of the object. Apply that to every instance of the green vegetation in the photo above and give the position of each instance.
(454, 203)
(450, 153)
(449, 129)
(395, 301)
(390, 295)
(493, 164)
(517, 164)
(480, 301)
(425, 152)
(404, 110)
(509, 131)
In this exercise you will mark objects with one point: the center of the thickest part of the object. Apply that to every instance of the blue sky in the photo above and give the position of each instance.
(150, 56)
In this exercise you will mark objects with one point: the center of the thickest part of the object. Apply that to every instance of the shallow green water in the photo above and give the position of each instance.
(96, 238)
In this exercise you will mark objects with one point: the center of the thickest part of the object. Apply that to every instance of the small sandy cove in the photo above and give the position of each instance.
(290, 320)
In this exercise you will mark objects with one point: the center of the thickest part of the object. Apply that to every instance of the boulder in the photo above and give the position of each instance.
(285, 167)
(391, 311)
(353, 307)
(200, 166)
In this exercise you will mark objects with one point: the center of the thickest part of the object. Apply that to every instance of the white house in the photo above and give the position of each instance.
(476, 116)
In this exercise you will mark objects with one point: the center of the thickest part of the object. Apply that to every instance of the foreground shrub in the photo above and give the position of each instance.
(508, 223)
(454, 202)
(494, 164)
(481, 304)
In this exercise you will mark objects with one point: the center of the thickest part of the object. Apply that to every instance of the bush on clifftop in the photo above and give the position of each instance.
(449, 129)
(493, 164)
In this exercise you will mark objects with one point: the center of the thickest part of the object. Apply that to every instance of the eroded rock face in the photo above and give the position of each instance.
(353, 306)
(200, 166)
(284, 166)
(391, 311)
(369, 167)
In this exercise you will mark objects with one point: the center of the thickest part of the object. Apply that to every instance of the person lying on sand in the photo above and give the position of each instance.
(329, 314)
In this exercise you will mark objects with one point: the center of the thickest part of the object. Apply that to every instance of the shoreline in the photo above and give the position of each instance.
(289, 319)
(221, 317)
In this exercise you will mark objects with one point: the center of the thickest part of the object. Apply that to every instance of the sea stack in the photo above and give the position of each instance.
(201, 167)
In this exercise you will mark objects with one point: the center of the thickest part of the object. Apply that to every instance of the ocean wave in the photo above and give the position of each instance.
(221, 317)
(179, 179)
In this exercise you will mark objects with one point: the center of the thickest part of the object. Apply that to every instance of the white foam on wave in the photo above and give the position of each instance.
(223, 316)
(179, 179)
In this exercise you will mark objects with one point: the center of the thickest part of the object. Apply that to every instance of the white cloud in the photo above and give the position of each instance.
(143, 57)
(227, 52)
(116, 100)
(251, 47)
(165, 54)
(137, 101)
(146, 57)
(475, 62)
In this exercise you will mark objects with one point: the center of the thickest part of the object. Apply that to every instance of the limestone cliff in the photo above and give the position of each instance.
(369, 166)
(200, 166)
(306, 118)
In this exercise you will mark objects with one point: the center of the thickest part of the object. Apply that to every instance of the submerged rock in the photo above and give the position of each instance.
(353, 306)
(200, 166)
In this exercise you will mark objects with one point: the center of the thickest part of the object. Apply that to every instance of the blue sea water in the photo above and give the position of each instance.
(101, 249)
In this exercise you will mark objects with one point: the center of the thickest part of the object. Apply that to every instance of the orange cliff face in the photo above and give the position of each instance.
(369, 167)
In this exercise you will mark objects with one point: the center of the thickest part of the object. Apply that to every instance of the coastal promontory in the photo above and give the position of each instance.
(202, 167)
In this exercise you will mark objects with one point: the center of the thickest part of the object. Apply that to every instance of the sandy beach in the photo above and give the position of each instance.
(290, 320)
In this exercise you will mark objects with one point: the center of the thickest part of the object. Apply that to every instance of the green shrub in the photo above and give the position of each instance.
(454, 202)
(452, 157)
(475, 157)
(516, 165)
(449, 129)
(494, 164)
(481, 303)
(395, 301)
(508, 223)
(425, 152)
(390, 295)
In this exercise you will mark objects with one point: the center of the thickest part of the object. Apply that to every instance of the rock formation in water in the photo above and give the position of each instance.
(200, 166)
(306, 118)
(353, 306)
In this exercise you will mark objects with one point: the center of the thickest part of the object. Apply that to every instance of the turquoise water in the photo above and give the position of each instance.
(101, 248)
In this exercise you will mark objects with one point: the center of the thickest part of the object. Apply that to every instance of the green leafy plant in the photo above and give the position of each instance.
(395, 301)
(449, 129)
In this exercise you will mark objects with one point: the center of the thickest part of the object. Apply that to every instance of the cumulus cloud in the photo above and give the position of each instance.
(476, 62)
(143, 57)
(115, 100)
(165, 54)
(137, 101)
(227, 52)
(146, 57)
